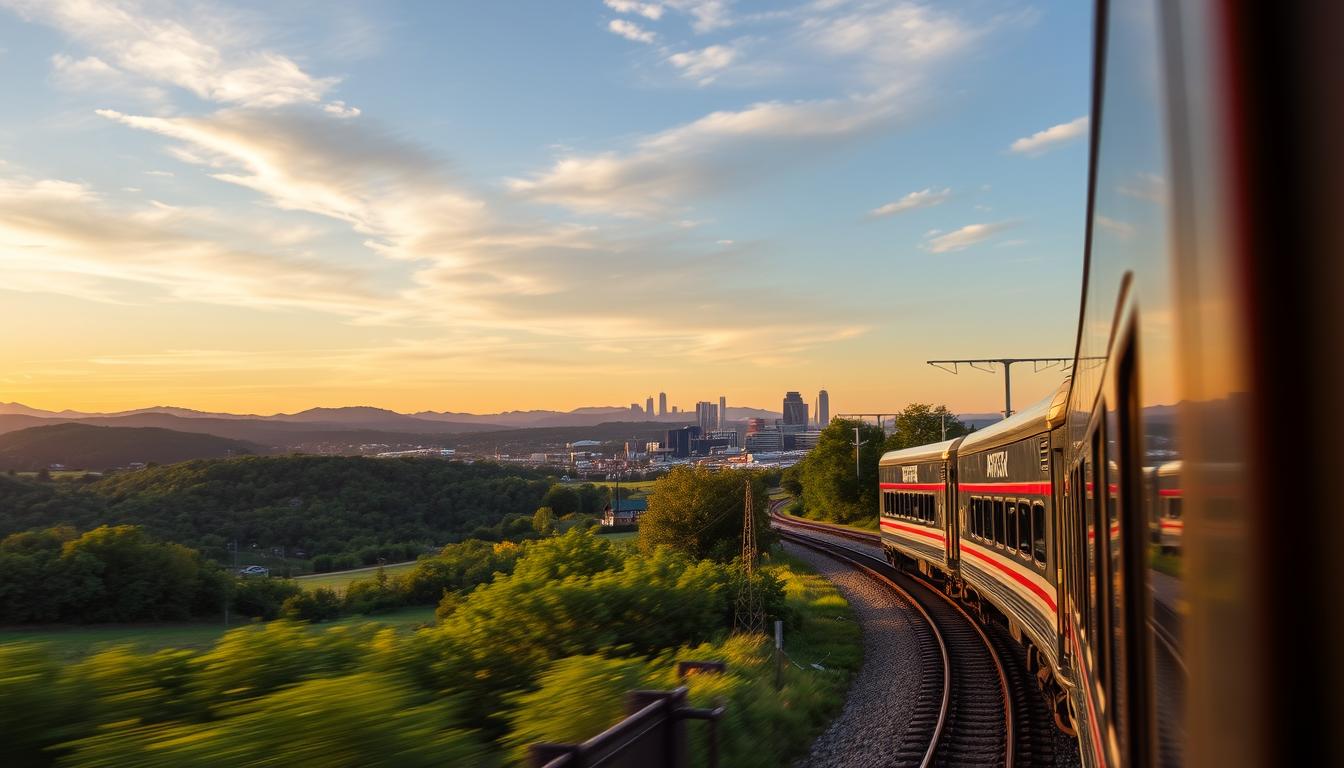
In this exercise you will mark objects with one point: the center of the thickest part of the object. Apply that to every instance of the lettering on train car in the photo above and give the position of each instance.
(909, 474)
(996, 464)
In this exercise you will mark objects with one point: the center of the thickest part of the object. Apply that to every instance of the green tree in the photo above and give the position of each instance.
(698, 511)
(543, 521)
(562, 499)
(922, 424)
(833, 487)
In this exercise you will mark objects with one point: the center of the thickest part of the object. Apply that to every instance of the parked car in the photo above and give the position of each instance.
(254, 570)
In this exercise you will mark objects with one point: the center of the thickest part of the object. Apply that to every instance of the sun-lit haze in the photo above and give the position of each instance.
(483, 206)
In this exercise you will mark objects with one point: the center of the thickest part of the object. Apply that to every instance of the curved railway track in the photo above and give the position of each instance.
(976, 702)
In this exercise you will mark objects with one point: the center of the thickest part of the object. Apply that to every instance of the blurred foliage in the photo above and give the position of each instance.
(541, 643)
(698, 510)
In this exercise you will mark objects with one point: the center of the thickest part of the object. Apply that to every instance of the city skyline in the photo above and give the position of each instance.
(257, 208)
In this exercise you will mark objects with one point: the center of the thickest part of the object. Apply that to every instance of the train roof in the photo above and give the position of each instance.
(1032, 420)
(920, 453)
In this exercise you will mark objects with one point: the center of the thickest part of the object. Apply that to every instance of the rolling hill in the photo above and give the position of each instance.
(81, 446)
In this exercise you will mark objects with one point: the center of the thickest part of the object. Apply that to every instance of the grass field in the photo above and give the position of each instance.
(641, 486)
(339, 580)
(75, 642)
(630, 536)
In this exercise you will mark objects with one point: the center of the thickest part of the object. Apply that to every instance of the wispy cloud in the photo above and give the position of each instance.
(924, 198)
(705, 64)
(1051, 137)
(339, 109)
(969, 235)
(712, 154)
(207, 55)
(652, 11)
(630, 31)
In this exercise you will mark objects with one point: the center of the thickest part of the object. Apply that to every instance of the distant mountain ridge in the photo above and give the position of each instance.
(382, 419)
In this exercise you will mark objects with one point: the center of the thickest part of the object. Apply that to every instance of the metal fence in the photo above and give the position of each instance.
(653, 735)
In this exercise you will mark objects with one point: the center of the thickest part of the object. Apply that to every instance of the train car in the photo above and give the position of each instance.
(1005, 496)
(914, 486)
(1167, 503)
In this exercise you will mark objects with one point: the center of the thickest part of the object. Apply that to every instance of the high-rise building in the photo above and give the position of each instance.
(648, 406)
(795, 410)
(662, 403)
(707, 415)
(723, 412)
(755, 425)
(635, 410)
(678, 443)
(823, 409)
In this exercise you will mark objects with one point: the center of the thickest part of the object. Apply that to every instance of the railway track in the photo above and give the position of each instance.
(977, 705)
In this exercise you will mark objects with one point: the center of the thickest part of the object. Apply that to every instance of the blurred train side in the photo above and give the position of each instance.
(1214, 269)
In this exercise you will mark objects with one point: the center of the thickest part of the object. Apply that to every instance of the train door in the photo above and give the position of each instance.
(952, 520)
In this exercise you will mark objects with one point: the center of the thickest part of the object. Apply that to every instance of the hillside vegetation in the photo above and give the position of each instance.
(318, 504)
(80, 446)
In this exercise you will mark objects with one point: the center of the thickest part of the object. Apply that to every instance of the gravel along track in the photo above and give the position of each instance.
(882, 698)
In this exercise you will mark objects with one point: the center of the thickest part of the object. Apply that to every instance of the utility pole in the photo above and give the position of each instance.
(1038, 364)
(749, 612)
(857, 450)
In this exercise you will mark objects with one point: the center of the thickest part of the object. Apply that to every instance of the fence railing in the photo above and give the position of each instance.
(653, 734)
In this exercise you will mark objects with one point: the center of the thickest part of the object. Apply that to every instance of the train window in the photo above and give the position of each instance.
(1024, 527)
(1038, 533)
(1010, 514)
(928, 508)
(1174, 509)
(974, 523)
(1000, 526)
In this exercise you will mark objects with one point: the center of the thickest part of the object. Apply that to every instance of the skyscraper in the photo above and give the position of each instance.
(823, 409)
(662, 403)
(795, 410)
(648, 407)
(707, 415)
(723, 412)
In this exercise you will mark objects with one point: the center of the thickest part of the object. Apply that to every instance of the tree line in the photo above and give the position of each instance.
(347, 511)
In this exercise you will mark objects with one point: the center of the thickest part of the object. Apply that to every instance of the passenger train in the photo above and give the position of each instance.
(1187, 611)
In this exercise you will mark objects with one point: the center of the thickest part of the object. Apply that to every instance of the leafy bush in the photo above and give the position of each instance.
(262, 597)
(321, 604)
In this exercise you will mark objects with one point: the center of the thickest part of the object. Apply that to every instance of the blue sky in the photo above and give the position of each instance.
(479, 206)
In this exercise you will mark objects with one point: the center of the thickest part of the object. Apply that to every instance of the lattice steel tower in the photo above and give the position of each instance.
(749, 612)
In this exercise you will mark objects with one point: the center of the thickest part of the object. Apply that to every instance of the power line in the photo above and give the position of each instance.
(749, 611)
(1038, 364)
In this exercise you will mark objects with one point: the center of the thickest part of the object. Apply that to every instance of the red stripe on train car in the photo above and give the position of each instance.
(1040, 489)
(911, 486)
(1176, 492)
(917, 531)
(1019, 578)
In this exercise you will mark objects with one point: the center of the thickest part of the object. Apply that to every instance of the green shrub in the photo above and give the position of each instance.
(321, 604)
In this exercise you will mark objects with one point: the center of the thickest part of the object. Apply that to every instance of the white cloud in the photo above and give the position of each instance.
(883, 41)
(706, 15)
(924, 198)
(717, 151)
(339, 109)
(206, 56)
(967, 236)
(630, 31)
(1051, 137)
(705, 64)
(651, 11)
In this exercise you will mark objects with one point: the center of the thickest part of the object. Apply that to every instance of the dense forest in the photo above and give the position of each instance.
(312, 504)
